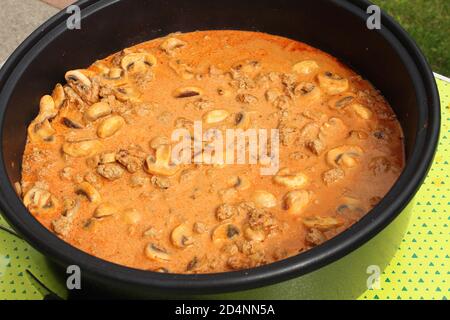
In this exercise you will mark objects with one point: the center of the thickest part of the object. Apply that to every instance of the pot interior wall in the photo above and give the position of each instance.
(323, 24)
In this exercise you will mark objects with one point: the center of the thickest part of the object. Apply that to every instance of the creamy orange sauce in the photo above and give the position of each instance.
(94, 170)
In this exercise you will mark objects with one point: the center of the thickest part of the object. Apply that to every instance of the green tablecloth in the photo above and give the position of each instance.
(419, 269)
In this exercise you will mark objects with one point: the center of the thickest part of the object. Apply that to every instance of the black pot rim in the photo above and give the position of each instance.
(336, 248)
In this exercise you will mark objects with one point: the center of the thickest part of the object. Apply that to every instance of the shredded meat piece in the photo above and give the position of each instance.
(139, 180)
(289, 81)
(260, 219)
(282, 102)
(214, 71)
(160, 182)
(315, 237)
(226, 211)
(132, 159)
(272, 94)
(91, 177)
(316, 146)
(63, 224)
(249, 248)
(333, 175)
(110, 171)
(246, 98)
(143, 78)
(379, 165)
(287, 134)
(238, 263)
(200, 104)
(200, 227)
(183, 123)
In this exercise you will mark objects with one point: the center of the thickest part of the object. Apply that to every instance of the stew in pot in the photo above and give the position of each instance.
(99, 168)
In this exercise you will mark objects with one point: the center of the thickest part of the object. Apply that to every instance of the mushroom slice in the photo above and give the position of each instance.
(358, 135)
(225, 231)
(72, 118)
(97, 110)
(78, 78)
(42, 131)
(39, 200)
(163, 153)
(72, 123)
(332, 83)
(160, 165)
(85, 148)
(156, 253)
(350, 205)
(307, 93)
(79, 81)
(332, 130)
(105, 210)
(322, 223)
(362, 111)
(88, 190)
(344, 156)
(242, 120)
(215, 116)
(100, 67)
(221, 91)
(158, 141)
(127, 93)
(195, 264)
(254, 235)
(264, 199)
(306, 67)
(137, 61)
(228, 194)
(181, 236)
(47, 109)
(290, 180)
(114, 78)
(131, 216)
(109, 126)
(182, 69)
(240, 183)
(171, 44)
(115, 74)
(73, 97)
(296, 201)
(18, 188)
(187, 92)
(58, 95)
(341, 101)
(249, 67)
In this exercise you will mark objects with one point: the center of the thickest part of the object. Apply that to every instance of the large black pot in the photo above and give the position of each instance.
(387, 57)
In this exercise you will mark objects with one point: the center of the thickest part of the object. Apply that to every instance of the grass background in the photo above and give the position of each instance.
(428, 22)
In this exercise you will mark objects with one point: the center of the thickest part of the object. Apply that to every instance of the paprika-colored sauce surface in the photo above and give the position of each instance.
(98, 168)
